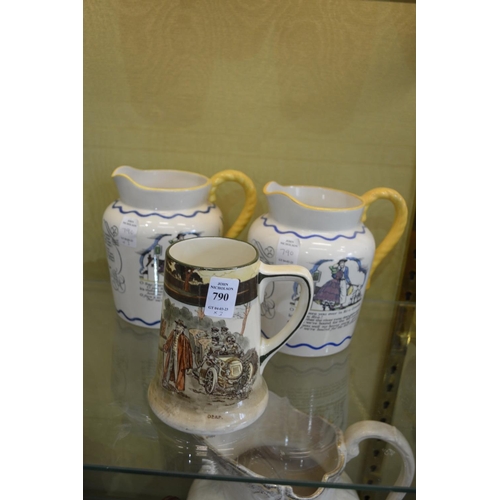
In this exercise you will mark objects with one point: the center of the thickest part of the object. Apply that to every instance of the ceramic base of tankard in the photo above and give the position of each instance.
(184, 417)
(288, 444)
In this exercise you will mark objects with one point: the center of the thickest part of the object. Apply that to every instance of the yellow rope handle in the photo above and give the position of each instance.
(250, 197)
(398, 225)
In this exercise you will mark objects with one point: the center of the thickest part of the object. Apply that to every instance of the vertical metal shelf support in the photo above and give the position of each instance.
(393, 367)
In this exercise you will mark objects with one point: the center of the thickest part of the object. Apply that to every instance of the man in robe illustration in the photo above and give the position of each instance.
(334, 292)
(178, 357)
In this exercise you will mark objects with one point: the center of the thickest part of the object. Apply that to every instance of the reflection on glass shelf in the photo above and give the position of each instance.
(316, 386)
(299, 438)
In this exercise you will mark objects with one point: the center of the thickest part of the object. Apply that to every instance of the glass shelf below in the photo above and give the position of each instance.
(122, 435)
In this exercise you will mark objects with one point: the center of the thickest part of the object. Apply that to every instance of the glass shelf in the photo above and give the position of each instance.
(122, 435)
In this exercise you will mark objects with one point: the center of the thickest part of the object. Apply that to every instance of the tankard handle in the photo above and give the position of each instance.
(250, 197)
(371, 429)
(398, 225)
(299, 274)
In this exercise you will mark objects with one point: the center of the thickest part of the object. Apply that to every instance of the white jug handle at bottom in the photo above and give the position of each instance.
(370, 429)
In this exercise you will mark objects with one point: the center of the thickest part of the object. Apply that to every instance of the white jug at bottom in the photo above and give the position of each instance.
(288, 444)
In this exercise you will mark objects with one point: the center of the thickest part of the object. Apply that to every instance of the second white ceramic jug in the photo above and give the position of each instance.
(321, 229)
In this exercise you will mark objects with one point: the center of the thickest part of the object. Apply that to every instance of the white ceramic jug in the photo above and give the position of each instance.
(288, 444)
(205, 489)
(155, 209)
(321, 229)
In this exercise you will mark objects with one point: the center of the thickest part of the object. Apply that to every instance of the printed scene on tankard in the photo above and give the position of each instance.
(204, 357)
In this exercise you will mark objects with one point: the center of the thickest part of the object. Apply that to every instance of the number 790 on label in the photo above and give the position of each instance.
(221, 297)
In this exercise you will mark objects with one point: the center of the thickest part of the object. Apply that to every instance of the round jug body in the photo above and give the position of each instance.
(139, 227)
(328, 239)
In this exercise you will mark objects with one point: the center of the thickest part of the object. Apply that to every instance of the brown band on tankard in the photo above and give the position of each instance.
(185, 285)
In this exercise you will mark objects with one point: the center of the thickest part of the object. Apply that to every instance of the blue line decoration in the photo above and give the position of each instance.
(119, 311)
(266, 224)
(194, 214)
(311, 346)
(319, 347)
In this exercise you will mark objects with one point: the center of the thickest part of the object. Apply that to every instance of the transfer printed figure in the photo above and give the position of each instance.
(177, 358)
(334, 292)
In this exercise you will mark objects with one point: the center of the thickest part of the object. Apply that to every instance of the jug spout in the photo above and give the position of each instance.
(315, 208)
(161, 189)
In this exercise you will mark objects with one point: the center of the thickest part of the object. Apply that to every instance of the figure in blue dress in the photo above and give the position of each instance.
(333, 294)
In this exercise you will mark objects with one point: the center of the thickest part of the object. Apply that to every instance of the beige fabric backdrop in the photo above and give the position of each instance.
(298, 91)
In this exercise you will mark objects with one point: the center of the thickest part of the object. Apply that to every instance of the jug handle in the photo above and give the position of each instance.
(398, 225)
(371, 429)
(250, 197)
